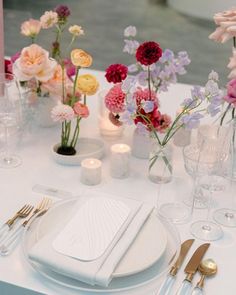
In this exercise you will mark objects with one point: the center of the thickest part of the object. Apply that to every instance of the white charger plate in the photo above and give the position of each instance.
(155, 246)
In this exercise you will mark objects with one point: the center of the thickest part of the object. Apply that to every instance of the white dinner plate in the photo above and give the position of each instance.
(147, 259)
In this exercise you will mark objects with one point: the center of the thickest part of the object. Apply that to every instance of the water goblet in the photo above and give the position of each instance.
(10, 117)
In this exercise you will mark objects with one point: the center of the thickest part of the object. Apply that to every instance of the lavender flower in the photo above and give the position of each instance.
(142, 129)
(213, 76)
(126, 118)
(147, 105)
(130, 46)
(167, 56)
(128, 84)
(142, 78)
(130, 31)
(133, 68)
(192, 120)
(197, 93)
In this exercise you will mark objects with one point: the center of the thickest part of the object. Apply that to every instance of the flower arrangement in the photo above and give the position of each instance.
(57, 74)
(226, 30)
(134, 97)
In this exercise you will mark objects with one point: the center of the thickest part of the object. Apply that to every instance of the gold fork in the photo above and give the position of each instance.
(9, 243)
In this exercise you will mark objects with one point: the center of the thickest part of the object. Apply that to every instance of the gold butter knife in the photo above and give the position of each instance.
(191, 269)
(168, 283)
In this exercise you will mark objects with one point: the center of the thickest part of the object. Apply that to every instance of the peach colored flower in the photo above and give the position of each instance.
(226, 29)
(54, 85)
(87, 84)
(62, 112)
(34, 62)
(76, 30)
(81, 109)
(31, 28)
(80, 58)
(232, 65)
(48, 19)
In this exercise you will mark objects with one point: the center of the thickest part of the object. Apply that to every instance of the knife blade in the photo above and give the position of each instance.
(191, 269)
(170, 279)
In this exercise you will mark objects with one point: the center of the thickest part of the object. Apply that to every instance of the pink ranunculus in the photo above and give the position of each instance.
(232, 65)
(226, 29)
(34, 62)
(62, 112)
(231, 92)
(81, 109)
(30, 28)
(115, 99)
(54, 85)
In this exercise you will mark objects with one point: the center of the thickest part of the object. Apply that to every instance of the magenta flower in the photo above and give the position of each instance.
(63, 11)
(231, 92)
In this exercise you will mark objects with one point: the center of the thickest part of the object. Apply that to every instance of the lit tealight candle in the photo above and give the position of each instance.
(120, 154)
(91, 171)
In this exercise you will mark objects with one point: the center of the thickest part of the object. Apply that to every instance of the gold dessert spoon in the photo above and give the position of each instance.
(207, 268)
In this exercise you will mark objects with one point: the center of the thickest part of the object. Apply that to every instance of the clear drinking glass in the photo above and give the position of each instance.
(213, 155)
(10, 118)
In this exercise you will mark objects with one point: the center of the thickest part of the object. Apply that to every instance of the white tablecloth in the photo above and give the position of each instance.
(38, 167)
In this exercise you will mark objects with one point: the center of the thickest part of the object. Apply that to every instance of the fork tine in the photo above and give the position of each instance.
(29, 209)
(25, 209)
(22, 209)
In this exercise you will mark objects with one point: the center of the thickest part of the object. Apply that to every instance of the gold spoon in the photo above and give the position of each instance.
(207, 268)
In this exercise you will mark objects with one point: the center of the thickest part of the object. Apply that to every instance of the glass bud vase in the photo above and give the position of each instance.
(160, 163)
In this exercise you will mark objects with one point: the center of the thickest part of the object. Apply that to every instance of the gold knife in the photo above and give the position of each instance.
(191, 269)
(170, 279)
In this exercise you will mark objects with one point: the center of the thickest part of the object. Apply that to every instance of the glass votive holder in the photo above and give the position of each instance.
(120, 158)
(106, 127)
(91, 171)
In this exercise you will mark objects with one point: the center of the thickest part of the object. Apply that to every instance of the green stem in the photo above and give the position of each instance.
(74, 86)
(225, 112)
(234, 42)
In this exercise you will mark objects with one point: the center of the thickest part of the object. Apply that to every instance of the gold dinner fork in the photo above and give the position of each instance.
(9, 243)
(22, 213)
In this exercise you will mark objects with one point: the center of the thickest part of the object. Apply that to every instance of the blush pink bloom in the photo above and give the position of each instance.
(34, 62)
(62, 112)
(81, 109)
(30, 28)
(232, 65)
(226, 29)
(143, 94)
(231, 92)
(48, 19)
(164, 123)
(115, 99)
(54, 85)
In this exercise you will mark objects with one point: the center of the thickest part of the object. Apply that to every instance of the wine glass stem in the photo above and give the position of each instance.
(7, 157)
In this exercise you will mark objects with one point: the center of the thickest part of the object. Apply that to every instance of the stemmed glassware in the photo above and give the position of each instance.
(227, 216)
(10, 117)
(214, 154)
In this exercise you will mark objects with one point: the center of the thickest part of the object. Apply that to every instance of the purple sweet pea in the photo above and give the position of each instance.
(167, 56)
(147, 105)
(191, 121)
(197, 93)
(130, 46)
(142, 129)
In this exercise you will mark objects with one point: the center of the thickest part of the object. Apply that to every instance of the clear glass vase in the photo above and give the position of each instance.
(160, 163)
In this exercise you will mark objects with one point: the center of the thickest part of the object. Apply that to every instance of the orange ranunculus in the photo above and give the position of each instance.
(34, 62)
(80, 58)
(30, 28)
(87, 84)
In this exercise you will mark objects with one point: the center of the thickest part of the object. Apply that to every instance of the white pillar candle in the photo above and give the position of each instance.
(91, 171)
(119, 166)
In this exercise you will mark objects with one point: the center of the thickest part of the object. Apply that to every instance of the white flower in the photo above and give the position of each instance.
(130, 31)
(62, 112)
(48, 19)
(76, 30)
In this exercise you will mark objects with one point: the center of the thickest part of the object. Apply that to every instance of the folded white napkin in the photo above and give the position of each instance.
(98, 271)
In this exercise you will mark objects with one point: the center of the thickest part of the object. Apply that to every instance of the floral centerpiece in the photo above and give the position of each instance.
(56, 74)
(134, 98)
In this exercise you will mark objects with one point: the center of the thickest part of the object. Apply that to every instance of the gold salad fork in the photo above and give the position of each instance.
(22, 213)
(9, 243)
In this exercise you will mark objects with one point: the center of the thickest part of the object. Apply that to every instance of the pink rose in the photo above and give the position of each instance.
(231, 92)
(30, 28)
(226, 29)
(81, 110)
(54, 85)
(34, 62)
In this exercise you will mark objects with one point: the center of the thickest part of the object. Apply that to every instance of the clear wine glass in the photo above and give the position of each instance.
(10, 117)
(227, 216)
(214, 155)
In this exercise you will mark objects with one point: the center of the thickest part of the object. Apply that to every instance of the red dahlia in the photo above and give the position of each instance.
(148, 53)
(116, 73)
